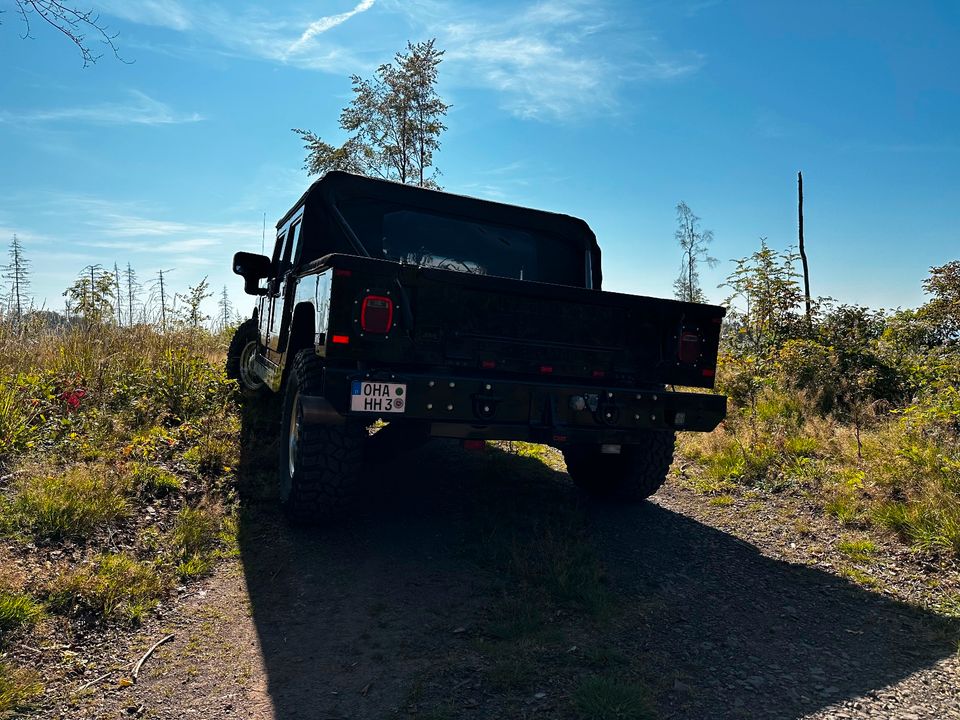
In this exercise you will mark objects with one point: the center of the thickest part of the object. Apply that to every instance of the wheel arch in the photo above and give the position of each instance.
(303, 333)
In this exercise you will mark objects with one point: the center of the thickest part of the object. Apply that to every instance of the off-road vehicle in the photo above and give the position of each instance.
(450, 316)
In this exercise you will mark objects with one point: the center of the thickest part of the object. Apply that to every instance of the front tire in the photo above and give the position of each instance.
(241, 355)
(319, 464)
(633, 475)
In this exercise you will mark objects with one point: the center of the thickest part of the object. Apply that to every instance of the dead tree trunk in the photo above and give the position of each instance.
(803, 252)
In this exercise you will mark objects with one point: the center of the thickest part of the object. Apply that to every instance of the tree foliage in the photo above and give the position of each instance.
(394, 119)
(92, 295)
(942, 312)
(765, 298)
(693, 242)
(191, 312)
(17, 274)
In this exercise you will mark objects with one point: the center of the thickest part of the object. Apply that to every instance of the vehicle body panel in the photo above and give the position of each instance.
(464, 314)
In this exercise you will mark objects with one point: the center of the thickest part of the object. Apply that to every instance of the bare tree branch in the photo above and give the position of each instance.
(74, 23)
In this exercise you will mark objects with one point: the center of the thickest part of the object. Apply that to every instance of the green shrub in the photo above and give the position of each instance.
(115, 587)
(187, 386)
(929, 524)
(810, 367)
(73, 504)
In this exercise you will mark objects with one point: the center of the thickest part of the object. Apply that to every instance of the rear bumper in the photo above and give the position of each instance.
(479, 407)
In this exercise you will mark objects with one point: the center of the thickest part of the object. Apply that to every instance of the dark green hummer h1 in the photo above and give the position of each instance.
(449, 316)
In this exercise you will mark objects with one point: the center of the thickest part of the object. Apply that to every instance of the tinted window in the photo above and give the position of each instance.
(463, 244)
(291, 254)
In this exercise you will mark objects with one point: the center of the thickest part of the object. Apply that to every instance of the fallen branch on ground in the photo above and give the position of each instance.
(148, 653)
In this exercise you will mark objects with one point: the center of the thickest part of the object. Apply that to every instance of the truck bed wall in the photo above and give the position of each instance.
(458, 320)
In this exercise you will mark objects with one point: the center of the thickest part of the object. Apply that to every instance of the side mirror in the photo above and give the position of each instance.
(252, 268)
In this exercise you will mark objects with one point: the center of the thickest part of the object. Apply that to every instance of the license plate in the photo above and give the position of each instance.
(378, 397)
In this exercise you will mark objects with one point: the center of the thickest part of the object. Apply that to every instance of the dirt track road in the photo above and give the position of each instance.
(395, 613)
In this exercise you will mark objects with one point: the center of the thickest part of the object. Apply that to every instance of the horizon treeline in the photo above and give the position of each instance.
(115, 296)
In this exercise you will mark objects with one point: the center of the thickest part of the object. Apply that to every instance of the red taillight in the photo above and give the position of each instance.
(475, 445)
(488, 364)
(376, 314)
(340, 339)
(546, 369)
(688, 349)
(708, 372)
(342, 272)
(598, 373)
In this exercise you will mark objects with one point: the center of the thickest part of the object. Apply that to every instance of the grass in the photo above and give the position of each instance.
(603, 698)
(927, 524)
(17, 610)
(511, 674)
(17, 417)
(153, 481)
(604, 657)
(859, 549)
(898, 471)
(515, 618)
(99, 428)
(844, 507)
(950, 606)
(527, 525)
(721, 501)
(69, 505)
(116, 587)
(18, 688)
(858, 576)
(199, 537)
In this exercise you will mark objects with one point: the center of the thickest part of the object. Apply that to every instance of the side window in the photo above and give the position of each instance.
(293, 247)
(278, 252)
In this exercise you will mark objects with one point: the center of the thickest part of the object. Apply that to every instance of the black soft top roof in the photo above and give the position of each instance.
(325, 230)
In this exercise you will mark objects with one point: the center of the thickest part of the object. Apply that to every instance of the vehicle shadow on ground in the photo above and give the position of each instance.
(384, 613)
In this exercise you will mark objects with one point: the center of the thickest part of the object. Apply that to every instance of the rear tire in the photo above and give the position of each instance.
(240, 357)
(319, 464)
(634, 474)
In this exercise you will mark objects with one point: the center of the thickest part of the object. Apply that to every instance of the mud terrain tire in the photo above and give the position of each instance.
(319, 464)
(633, 475)
(242, 347)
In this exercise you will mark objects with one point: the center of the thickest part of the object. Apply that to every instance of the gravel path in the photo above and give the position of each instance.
(720, 612)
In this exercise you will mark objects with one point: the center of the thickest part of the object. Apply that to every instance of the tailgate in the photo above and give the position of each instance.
(538, 328)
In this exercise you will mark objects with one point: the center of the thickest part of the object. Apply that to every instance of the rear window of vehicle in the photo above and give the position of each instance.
(463, 244)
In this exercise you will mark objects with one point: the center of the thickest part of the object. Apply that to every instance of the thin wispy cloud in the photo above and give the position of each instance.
(555, 60)
(249, 30)
(547, 60)
(139, 109)
(137, 228)
(159, 13)
(327, 23)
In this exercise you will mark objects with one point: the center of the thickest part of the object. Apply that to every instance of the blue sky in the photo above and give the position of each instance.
(612, 111)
